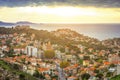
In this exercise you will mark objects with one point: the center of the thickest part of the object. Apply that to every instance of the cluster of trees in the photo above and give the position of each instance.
(14, 69)
(85, 76)
(49, 54)
(64, 64)
(117, 77)
(38, 75)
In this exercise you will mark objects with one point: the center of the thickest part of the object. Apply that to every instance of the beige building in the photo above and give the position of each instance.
(118, 69)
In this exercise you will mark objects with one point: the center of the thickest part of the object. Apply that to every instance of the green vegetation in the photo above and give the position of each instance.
(109, 74)
(4, 65)
(38, 75)
(99, 75)
(49, 54)
(12, 68)
(85, 76)
(80, 61)
(64, 64)
(117, 77)
(44, 35)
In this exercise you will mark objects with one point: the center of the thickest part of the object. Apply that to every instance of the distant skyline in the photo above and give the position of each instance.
(60, 11)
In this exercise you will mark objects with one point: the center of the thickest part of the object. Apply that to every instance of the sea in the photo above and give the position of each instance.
(99, 31)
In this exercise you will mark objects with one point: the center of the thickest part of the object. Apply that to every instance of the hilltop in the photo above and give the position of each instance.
(60, 36)
(63, 37)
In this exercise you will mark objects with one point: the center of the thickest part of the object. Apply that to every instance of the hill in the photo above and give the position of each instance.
(62, 36)
(5, 24)
(12, 72)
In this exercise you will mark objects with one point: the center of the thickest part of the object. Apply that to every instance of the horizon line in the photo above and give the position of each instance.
(58, 22)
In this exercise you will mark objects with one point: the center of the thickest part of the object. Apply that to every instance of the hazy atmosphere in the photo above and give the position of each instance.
(59, 39)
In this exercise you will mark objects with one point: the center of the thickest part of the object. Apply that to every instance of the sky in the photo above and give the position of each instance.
(60, 11)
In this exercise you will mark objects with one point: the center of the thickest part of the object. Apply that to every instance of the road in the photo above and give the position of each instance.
(60, 72)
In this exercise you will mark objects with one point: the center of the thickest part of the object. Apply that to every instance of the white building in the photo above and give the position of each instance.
(31, 51)
(59, 55)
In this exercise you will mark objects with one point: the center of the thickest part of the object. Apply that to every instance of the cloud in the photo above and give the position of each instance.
(94, 3)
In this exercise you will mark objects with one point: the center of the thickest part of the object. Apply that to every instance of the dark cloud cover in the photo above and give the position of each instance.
(96, 3)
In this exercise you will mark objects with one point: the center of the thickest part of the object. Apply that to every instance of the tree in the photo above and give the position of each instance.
(22, 77)
(7, 78)
(86, 57)
(117, 77)
(85, 76)
(99, 75)
(64, 64)
(15, 66)
(49, 54)
(112, 65)
(23, 60)
(8, 42)
(109, 74)
(80, 61)
(96, 71)
(36, 74)
(29, 62)
(119, 54)
(62, 49)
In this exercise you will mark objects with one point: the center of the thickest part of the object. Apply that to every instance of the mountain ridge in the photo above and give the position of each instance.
(6, 23)
(16, 23)
(53, 24)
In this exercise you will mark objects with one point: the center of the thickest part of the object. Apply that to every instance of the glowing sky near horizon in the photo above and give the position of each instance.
(60, 14)
(60, 11)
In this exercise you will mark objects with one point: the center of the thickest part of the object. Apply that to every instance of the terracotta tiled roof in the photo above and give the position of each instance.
(73, 77)
(106, 63)
(43, 69)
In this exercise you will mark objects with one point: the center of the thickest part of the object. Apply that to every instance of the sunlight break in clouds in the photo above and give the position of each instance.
(59, 11)
(60, 14)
